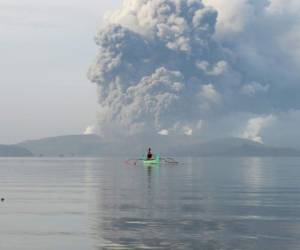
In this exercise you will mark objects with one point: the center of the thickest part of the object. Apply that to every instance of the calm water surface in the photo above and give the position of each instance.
(205, 203)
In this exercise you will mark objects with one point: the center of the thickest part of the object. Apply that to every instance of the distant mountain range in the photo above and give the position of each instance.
(235, 147)
(95, 146)
(14, 151)
(68, 146)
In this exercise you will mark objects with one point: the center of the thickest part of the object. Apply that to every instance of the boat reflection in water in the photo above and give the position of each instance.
(145, 207)
(203, 203)
(208, 203)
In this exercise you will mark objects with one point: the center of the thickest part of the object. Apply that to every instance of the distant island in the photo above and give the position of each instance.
(14, 151)
(96, 146)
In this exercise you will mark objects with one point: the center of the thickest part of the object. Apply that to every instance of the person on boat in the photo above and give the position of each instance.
(149, 154)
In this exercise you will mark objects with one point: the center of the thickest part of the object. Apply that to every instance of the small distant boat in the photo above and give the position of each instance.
(154, 161)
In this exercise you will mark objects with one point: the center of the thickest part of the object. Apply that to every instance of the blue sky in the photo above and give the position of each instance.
(46, 48)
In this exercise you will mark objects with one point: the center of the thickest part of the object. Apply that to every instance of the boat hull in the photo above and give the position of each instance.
(155, 161)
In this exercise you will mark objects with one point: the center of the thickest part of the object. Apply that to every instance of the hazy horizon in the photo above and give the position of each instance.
(46, 50)
(201, 68)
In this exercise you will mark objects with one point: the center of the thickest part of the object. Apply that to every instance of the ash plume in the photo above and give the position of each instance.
(166, 66)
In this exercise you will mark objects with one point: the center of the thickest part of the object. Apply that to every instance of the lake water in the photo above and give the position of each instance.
(203, 203)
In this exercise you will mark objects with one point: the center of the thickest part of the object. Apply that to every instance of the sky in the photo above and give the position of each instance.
(202, 68)
(46, 48)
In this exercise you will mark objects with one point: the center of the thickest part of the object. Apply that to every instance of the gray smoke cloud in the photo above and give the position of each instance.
(193, 67)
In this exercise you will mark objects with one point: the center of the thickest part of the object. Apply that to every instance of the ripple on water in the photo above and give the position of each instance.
(209, 204)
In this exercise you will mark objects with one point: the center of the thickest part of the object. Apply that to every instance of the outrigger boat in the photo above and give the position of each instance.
(153, 161)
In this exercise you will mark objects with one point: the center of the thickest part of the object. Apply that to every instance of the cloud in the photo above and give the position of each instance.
(90, 130)
(187, 131)
(209, 97)
(254, 88)
(255, 126)
(213, 70)
(164, 65)
(233, 16)
(163, 132)
(284, 130)
(283, 6)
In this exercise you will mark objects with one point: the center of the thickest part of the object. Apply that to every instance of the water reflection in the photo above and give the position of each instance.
(253, 172)
(146, 212)
(213, 204)
(206, 203)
